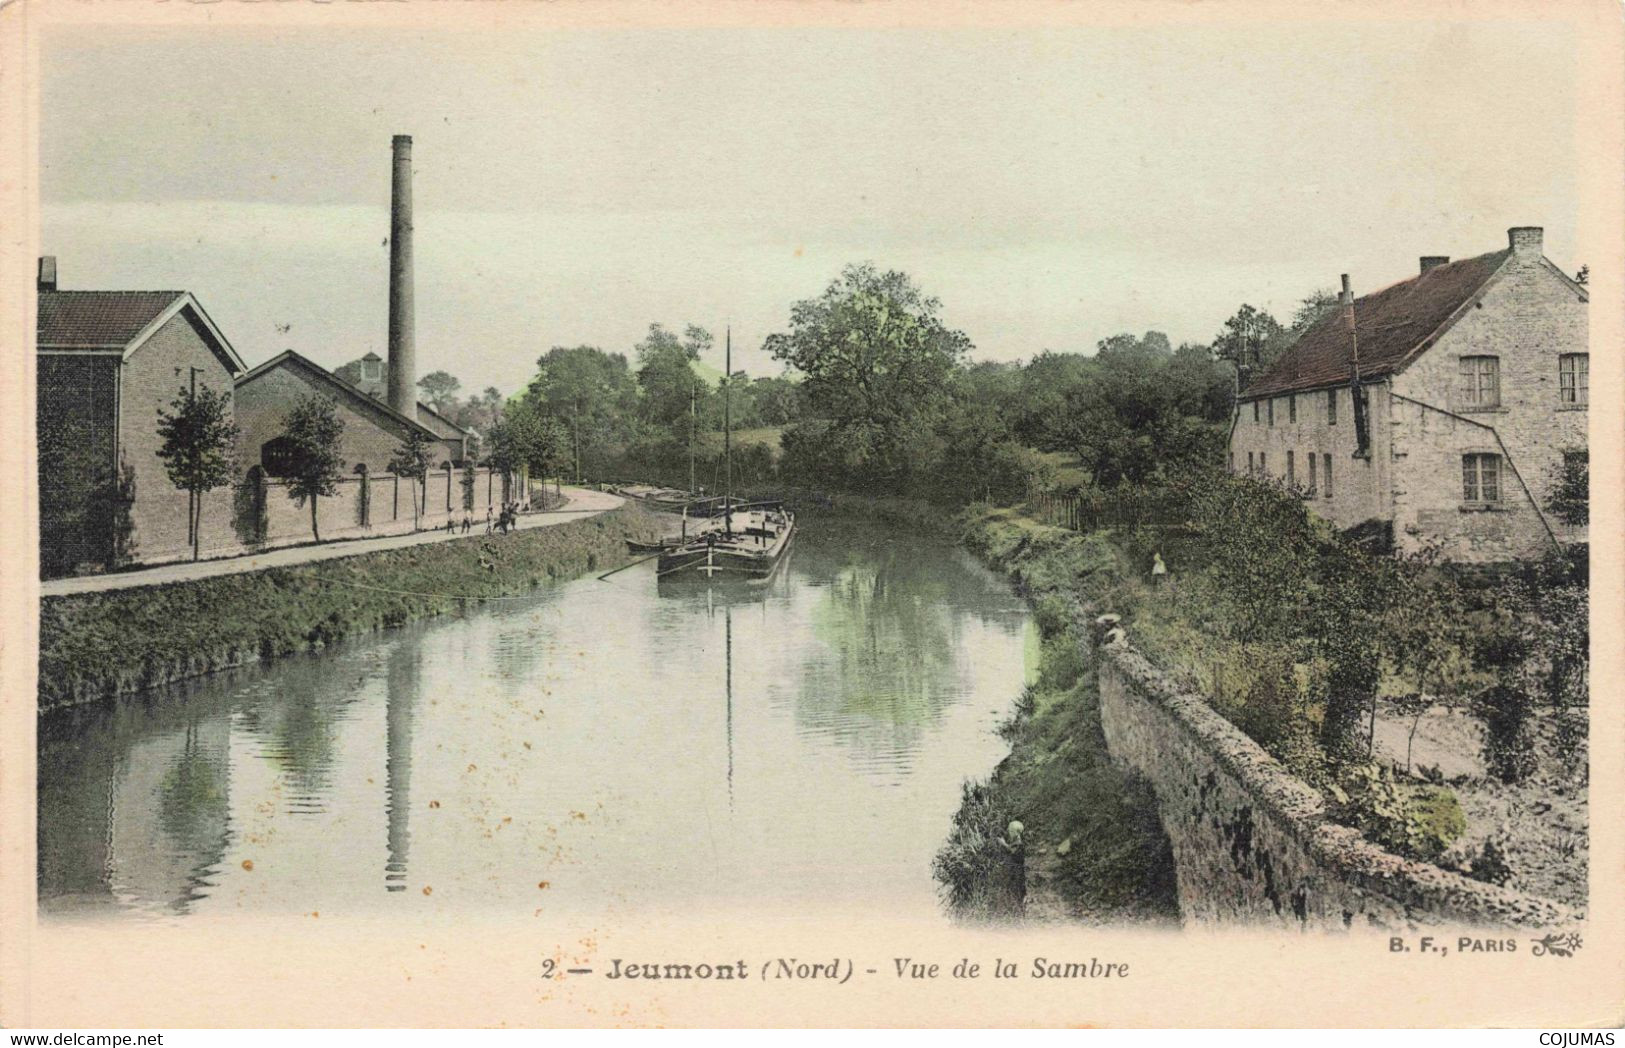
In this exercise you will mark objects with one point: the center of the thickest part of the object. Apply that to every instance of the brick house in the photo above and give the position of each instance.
(107, 361)
(1474, 380)
(372, 429)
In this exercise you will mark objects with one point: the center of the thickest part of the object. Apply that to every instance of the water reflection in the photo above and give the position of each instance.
(402, 680)
(598, 745)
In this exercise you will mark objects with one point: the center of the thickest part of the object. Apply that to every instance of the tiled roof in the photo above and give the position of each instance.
(97, 319)
(1392, 324)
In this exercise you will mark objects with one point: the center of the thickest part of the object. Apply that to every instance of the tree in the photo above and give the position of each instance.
(588, 390)
(1251, 340)
(411, 460)
(878, 361)
(1569, 490)
(311, 431)
(199, 438)
(667, 378)
(1426, 640)
(440, 391)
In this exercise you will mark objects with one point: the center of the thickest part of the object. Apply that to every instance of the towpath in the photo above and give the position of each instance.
(580, 503)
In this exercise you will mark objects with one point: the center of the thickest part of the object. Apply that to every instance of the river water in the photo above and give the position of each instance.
(597, 746)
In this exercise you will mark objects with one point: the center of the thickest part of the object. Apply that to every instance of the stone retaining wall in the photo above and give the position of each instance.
(1252, 843)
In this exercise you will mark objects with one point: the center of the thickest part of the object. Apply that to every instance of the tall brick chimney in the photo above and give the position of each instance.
(1347, 296)
(1433, 261)
(403, 374)
(47, 273)
(1525, 240)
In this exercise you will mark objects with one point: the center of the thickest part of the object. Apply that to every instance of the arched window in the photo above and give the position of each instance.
(279, 457)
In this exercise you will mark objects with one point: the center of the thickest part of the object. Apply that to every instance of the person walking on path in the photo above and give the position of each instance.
(1159, 570)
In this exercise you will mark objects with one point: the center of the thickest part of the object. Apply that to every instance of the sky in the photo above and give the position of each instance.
(1052, 187)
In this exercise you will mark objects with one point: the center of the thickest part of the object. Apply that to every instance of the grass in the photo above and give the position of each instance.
(97, 645)
(1069, 471)
(1093, 835)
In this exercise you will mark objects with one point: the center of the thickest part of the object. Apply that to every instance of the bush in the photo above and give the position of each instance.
(1420, 821)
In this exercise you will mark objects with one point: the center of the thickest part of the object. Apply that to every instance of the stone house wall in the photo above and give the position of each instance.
(1527, 317)
(1359, 490)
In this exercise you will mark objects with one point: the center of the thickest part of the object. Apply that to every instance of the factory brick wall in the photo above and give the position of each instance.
(1527, 317)
(150, 379)
(75, 416)
(256, 514)
(370, 438)
(1252, 843)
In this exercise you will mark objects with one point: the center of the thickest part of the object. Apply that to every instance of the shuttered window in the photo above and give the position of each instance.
(1574, 378)
(1481, 478)
(1480, 382)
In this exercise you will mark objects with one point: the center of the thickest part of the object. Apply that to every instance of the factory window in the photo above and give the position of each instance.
(1292, 407)
(1311, 473)
(1291, 471)
(1331, 407)
(1480, 382)
(1481, 478)
(1574, 378)
(1272, 411)
(1326, 475)
(1255, 411)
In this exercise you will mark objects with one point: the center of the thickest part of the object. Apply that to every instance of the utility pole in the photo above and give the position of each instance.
(727, 431)
(193, 503)
(693, 392)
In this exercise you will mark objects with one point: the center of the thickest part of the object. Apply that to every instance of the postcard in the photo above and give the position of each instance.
(817, 514)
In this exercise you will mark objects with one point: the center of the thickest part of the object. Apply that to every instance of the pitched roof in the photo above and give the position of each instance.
(98, 319)
(1393, 326)
(289, 357)
(424, 409)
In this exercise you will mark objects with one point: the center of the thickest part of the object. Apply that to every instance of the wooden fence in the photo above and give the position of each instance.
(1131, 508)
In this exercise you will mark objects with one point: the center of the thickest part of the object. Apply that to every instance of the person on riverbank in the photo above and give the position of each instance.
(1015, 850)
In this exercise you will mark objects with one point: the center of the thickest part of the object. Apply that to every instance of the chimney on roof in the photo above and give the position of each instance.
(402, 367)
(1432, 261)
(47, 273)
(1347, 297)
(1525, 240)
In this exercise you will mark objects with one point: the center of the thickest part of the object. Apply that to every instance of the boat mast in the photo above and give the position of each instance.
(727, 431)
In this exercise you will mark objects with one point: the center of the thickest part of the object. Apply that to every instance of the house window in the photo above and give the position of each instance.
(1480, 382)
(1311, 473)
(1326, 474)
(1255, 411)
(1481, 478)
(1292, 407)
(1251, 469)
(1291, 471)
(1331, 407)
(1574, 378)
(1272, 411)
(1263, 467)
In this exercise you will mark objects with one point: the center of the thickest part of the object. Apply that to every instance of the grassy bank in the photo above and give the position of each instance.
(97, 645)
(1095, 849)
